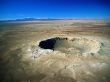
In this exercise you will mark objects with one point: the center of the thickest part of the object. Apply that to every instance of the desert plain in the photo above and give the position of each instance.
(55, 51)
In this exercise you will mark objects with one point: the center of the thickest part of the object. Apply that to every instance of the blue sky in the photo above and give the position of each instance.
(77, 9)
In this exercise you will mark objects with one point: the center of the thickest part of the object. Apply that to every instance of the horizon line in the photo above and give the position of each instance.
(23, 19)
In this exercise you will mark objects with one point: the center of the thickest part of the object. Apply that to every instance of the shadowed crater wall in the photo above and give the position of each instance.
(48, 44)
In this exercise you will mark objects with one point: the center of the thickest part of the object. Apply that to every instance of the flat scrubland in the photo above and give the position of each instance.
(81, 52)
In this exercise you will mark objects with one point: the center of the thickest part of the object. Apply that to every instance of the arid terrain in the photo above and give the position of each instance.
(55, 51)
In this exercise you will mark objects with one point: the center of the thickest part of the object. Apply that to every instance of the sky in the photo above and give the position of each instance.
(67, 9)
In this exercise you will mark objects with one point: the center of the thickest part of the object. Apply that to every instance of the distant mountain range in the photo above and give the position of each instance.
(34, 19)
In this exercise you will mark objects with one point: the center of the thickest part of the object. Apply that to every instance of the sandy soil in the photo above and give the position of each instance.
(81, 52)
